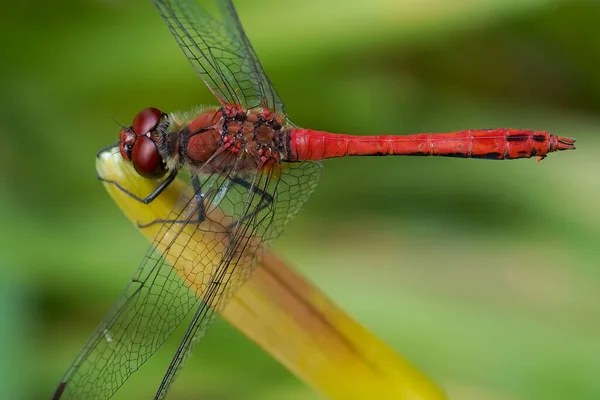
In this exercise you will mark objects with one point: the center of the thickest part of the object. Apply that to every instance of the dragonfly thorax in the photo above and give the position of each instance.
(228, 137)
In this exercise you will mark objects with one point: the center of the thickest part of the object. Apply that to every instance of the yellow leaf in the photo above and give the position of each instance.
(283, 313)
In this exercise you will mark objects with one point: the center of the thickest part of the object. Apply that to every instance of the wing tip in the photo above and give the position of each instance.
(59, 390)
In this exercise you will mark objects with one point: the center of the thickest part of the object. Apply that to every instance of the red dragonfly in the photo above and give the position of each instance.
(248, 159)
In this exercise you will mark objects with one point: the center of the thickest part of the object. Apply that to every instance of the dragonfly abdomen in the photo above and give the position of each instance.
(495, 144)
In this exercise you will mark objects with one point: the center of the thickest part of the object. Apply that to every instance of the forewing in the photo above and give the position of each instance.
(205, 249)
(271, 199)
(161, 293)
(219, 51)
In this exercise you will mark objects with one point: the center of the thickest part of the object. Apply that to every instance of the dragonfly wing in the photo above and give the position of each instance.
(271, 201)
(219, 51)
(161, 293)
(270, 97)
(193, 263)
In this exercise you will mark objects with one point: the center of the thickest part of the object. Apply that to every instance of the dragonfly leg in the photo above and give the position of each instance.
(266, 200)
(198, 196)
(148, 199)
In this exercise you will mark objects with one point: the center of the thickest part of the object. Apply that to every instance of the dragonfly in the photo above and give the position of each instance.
(246, 159)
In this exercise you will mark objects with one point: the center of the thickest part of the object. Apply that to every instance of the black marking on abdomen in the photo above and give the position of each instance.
(539, 138)
(456, 155)
(489, 156)
(517, 138)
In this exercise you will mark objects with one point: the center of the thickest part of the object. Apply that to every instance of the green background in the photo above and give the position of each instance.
(484, 274)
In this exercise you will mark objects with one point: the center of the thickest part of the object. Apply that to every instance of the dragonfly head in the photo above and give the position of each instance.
(137, 144)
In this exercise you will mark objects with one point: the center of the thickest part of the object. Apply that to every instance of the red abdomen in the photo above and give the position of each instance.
(494, 144)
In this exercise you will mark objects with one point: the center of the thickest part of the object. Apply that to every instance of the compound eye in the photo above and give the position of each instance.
(146, 120)
(146, 158)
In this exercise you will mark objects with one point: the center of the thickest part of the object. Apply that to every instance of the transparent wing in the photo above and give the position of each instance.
(152, 305)
(205, 249)
(273, 200)
(218, 49)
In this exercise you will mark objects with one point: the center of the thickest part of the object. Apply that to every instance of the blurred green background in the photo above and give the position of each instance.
(484, 274)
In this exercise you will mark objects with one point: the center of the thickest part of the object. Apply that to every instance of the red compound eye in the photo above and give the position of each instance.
(146, 158)
(146, 120)
(138, 148)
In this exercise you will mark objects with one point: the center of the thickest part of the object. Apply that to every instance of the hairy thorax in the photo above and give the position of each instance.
(219, 139)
